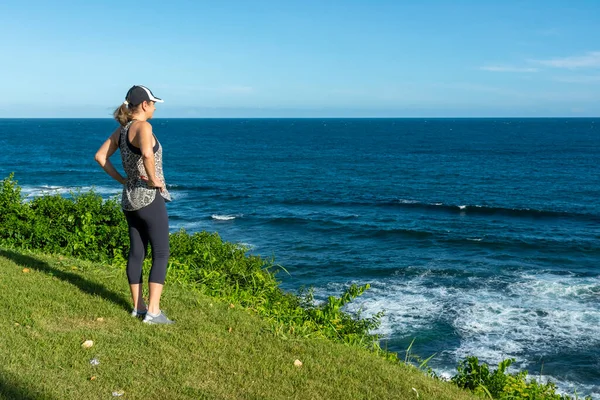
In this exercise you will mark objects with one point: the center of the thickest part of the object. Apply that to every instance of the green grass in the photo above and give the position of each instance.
(215, 351)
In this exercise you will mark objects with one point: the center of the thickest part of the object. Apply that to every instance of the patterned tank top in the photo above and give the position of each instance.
(136, 193)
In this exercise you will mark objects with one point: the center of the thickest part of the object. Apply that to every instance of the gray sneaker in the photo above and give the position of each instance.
(157, 319)
(138, 314)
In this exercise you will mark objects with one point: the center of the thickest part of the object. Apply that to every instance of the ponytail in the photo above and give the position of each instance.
(123, 114)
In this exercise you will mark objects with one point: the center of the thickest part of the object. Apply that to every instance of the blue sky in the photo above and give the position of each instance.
(302, 58)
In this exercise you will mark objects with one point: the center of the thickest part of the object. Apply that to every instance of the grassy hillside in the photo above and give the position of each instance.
(217, 350)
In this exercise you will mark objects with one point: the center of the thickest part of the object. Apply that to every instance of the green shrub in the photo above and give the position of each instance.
(15, 216)
(83, 225)
(499, 384)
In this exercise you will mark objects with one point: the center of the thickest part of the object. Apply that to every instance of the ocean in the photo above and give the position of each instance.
(478, 236)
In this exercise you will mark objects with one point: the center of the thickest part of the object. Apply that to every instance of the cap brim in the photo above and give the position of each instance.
(151, 97)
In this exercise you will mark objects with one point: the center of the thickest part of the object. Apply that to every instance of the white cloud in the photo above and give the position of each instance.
(507, 68)
(590, 60)
(585, 79)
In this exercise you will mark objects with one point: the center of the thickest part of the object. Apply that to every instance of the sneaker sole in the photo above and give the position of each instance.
(153, 322)
(158, 323)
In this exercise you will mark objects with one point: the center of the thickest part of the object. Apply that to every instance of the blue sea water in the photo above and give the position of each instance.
(478, 236)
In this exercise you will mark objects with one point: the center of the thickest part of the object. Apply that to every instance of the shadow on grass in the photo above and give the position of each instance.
(11, 390)
(83, 284)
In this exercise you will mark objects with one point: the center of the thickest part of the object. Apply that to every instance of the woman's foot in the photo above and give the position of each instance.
(138, 314)
(159, 318)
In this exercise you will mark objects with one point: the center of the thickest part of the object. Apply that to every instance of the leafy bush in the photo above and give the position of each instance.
(83, 225)
(499, 384)
(15, 216)
(478, 377)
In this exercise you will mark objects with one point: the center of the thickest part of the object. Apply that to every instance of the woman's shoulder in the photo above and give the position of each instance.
(141, 124)
(140, 129)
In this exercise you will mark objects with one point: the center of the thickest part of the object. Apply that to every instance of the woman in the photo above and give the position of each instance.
(144, 197)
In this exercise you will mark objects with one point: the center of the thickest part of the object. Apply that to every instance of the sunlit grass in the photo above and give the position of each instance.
(217, 350)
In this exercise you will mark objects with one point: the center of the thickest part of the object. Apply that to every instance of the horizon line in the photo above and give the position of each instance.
(333, 117)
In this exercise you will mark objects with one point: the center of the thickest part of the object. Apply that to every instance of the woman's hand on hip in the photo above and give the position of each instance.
(154, 183)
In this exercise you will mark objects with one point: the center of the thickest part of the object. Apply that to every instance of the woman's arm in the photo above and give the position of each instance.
(145, 139)
(105, 151)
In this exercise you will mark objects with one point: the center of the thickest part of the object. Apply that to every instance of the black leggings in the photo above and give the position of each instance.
(148, 224)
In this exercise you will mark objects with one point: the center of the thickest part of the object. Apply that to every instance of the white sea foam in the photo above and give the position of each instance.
(536, 314)
(462, 207)
(191, 226)
(404, 201)
(526, 320)
(249, 246)
(104, 191)
(41, 190)
(569, 388)
(178, 195)
(223, 217)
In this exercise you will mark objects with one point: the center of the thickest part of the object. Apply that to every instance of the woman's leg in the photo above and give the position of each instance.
(157, 222)
(138, 247)
(137, 297)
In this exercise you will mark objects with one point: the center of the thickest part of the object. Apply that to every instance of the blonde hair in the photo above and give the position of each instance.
(123, 114)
